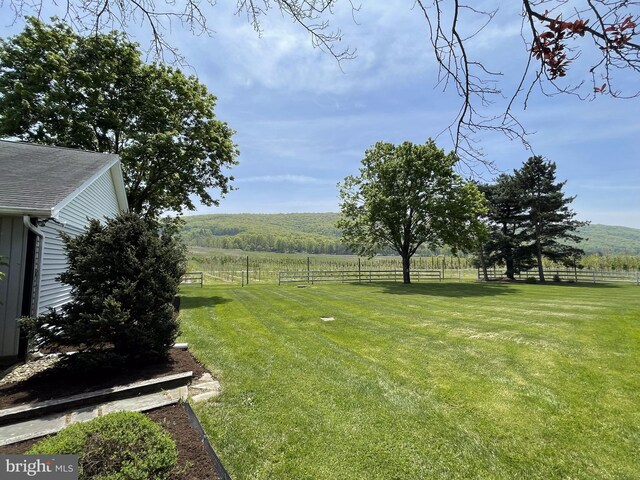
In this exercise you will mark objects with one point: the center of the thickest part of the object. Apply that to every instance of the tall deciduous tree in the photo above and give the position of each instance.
(550, 223)
(407, 196)
(95, 93)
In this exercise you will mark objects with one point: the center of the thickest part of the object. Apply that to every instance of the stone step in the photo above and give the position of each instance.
(215, 385)
(53, 423)
(201, 397)
(31, 410)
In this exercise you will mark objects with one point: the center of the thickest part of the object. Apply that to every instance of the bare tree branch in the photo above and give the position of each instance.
(551, 30)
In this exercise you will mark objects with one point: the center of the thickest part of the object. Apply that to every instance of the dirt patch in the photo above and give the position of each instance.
(193, 461)
(68, 378)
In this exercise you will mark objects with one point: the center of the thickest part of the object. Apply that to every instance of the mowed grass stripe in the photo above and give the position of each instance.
(421, 382)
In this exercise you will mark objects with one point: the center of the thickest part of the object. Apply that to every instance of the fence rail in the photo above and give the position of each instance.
(192, 278)
(578, 276)
(354, 276)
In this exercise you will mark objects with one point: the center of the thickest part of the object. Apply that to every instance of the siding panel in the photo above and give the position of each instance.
(13, 248)
(98, 200)
(53, 294)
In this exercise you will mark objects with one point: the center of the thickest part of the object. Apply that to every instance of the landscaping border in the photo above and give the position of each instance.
(195, 423)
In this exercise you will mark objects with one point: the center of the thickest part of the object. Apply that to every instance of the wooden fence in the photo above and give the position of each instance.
(354, 276)
(578, 276)
(192, 278)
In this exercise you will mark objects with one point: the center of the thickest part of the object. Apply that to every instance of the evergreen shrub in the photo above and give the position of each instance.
(123, 274)
(118, 446)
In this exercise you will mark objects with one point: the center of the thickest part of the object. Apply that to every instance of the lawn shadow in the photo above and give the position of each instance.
(189, 302)
(445, 289)
(582, 285)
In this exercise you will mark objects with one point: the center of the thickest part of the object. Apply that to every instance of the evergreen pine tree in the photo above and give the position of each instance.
(549, 225)
(506, 217)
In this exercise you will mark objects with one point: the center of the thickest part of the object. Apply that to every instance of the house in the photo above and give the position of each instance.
(45, 191)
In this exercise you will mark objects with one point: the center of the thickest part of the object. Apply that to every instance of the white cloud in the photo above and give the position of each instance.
(390, 40)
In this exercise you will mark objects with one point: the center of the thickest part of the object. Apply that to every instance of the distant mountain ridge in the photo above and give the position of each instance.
(316, 233)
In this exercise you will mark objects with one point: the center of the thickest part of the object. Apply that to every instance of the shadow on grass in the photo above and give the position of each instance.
(479, 289)
(197, 302)
(582, 285)
(456, 290)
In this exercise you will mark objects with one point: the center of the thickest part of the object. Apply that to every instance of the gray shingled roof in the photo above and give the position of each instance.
(37, 178)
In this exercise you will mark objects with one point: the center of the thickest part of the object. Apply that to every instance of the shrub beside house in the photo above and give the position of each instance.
(45, 192)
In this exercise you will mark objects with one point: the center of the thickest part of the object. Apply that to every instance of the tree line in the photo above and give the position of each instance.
(408, 197)
(256, 242)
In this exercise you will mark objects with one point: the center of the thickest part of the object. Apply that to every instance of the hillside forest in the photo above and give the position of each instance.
(605, 246)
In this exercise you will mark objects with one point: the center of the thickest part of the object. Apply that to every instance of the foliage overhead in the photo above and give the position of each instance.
(407, 196)
(95, 93)
(124, 275)
(595, 40)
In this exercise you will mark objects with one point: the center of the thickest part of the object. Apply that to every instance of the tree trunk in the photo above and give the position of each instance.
(539, 257)
(483, 265)
(510, 268)
(406, 267)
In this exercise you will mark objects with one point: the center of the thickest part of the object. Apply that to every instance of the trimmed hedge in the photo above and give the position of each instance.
(118, 446)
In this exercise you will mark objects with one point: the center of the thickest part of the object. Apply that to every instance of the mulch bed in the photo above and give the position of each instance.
(193, 461)
(62, 381)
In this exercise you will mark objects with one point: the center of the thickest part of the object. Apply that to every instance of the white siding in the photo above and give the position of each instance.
(98, 200)
(13, 248)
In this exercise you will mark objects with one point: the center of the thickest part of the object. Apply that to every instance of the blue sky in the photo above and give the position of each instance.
(303, 122)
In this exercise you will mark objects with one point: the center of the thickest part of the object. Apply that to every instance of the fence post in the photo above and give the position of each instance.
(594, 276)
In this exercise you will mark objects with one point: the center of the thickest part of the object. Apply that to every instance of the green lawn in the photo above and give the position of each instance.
(441, 380)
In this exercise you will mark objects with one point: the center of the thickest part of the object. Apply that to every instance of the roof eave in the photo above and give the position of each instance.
(21, 211)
